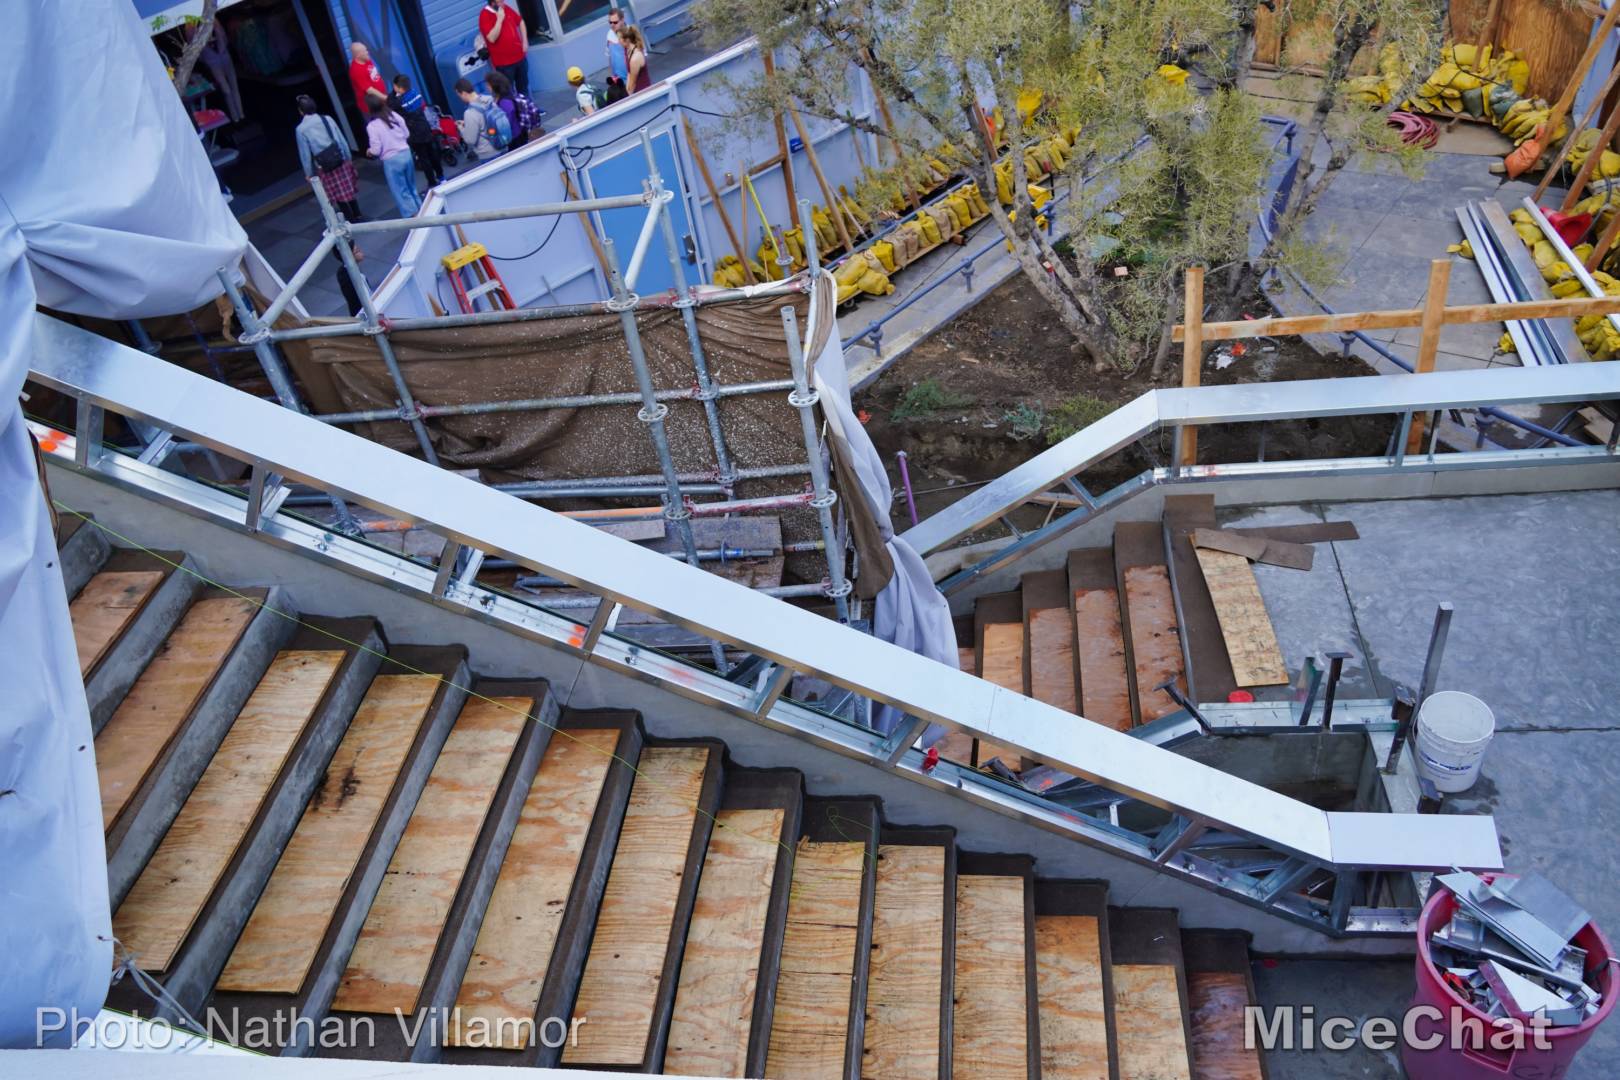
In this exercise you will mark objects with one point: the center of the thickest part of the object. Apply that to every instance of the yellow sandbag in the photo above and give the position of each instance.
(1175, 76)
(930, 230)
(885, 255)
(1028, 102)
(1465, 249)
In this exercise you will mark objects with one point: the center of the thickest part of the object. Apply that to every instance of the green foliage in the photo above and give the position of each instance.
(1073, 415)
(1024, 421)
(927, 399)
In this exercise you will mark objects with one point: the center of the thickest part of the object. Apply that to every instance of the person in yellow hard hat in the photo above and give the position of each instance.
(586, 96)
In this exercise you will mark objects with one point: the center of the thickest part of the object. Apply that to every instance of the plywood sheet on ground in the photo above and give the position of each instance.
(990, 1024)
(1148, 1024)
(396, 945)
(1051, 657)
(714, 1002)
(165, 900)
(1104, 692)
(811, 1027)
(507, 970)
(1217, 1000)
(1251, 643)
(150, 715)
(908, 957)
(104, 607)
(624, 972)
(1155, 640)
(293, 913)
(1074, 1021)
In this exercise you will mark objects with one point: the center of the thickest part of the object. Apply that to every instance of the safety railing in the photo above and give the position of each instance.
(1201, 825)
(1052, 477)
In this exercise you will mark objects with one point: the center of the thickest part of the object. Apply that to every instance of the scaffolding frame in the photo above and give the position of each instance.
(674, 489)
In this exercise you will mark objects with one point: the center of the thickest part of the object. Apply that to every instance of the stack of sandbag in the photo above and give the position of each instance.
(1478, 81)
(1379, 88)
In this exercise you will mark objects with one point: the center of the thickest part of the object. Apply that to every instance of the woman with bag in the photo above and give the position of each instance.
(323, 153)
(388, 140)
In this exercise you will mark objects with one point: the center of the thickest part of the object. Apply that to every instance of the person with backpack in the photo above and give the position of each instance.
(482, 122)
(588, 96)
(500, 88)
(323, 153)
(387, 134)
(423, 139)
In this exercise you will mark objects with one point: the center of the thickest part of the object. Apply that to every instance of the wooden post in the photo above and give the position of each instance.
(1492, 14)
(835, 211)
(1434, 316)
(1561, 109)
(742, 197)
(782, 146)
(1606, 241)
(1192, 354)
(1569, 141)
(1605, 136)
(590, 233)
(714, 195)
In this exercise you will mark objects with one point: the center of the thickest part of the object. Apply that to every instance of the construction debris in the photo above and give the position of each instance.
(1256, 548)
(1507, 950)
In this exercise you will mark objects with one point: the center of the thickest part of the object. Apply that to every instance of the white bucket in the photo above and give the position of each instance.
(1453, 730)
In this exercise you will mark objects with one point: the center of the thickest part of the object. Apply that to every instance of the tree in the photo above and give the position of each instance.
(204, 26)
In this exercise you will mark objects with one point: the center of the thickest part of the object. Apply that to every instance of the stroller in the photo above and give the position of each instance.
(451, 144)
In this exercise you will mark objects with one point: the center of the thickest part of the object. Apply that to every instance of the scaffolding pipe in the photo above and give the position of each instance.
(589, 601)
(804, 399)
(575, 401)
(300, 278)
(536, 314)
(706, 554)
(652, 414)
(655, 210)
(685, 301)
(373, 325)
(473, 217)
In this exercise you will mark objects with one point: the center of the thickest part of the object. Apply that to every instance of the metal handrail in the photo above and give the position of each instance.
(1158, 410)
(102, 374)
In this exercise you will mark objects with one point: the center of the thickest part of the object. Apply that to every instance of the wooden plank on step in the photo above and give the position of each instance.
(165, 900)
(105, 607)
(1257, 549)
(1209, 673)
(908, 955)
(1217, 1000)
(1074, 1019)
(1155, 638)
(810, 1028)
(992, 991)
(1099, 639)
(152, 713)
(507, 969)
(1148, 1024)
(396, 945)
(620, 986)
(1049, 638)
(714, 1002)
(998, 629)
(287, 925)
(1251, 643)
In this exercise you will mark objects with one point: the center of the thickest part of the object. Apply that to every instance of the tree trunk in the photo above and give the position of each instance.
(1240, 60)
(188, 56)
(1166, 335)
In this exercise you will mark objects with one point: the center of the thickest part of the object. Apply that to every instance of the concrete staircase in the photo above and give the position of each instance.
(307, 819)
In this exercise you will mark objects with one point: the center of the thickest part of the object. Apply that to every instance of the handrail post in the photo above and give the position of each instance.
(804, 399)
(652, 414)
(1434, 316)
(374, 327)
(683, 301)
(1192, 358)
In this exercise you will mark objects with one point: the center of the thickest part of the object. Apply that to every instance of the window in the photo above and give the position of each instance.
(577, 13)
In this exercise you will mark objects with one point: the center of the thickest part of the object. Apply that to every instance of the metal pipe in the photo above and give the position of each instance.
(804, 399)
(704, 555)
(652, 414)
(1577, 266)
(638, 254)
(472, 217)
(585, 601)
(536, 314)
(613, 491)
(685, 301)
(574, 401)
(905, 482)
(320, 66)
(807, 229)
(299, 279)
(373, 326)
(1437, 651)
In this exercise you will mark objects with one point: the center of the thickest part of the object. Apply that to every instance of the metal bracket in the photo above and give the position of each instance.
(1176, 837)
(773, 680)
(901, 739)
(607, 614)
(1310, 674)
(87, 432)
(1335, 669)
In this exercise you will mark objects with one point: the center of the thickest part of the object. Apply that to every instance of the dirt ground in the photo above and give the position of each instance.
(1007, 361)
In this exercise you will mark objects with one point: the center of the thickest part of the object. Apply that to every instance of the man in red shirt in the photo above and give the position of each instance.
(507, 40)
(364, 76)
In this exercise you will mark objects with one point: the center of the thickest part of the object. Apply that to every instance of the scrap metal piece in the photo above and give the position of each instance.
(1519, 928)
(1546, 901)
(1527, 1000)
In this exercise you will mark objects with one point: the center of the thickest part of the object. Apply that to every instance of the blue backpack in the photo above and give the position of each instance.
(497, 126)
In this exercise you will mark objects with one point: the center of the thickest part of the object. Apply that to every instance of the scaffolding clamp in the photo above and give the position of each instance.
(652, 414)
(836, 592)
(617, 304)
(825, 500)
(677, 511)
(803, 400)
(254, 337)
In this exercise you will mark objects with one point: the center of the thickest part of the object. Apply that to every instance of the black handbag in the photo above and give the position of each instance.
(330, 156)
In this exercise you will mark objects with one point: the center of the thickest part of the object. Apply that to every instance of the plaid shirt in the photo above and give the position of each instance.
(529, 114)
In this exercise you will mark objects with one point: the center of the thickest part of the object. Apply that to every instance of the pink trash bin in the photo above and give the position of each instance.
(1464, 1062)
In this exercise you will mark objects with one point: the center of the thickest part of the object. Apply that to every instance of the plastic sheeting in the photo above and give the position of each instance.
(108, 207)
(910, 611)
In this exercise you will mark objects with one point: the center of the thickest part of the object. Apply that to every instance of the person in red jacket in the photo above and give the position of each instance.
(364, 76)
(507, 40)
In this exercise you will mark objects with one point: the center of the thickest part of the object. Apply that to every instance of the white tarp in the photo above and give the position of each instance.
(107, 207)
(910, 611)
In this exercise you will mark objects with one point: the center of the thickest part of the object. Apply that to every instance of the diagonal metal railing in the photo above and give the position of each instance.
(1212, 829)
